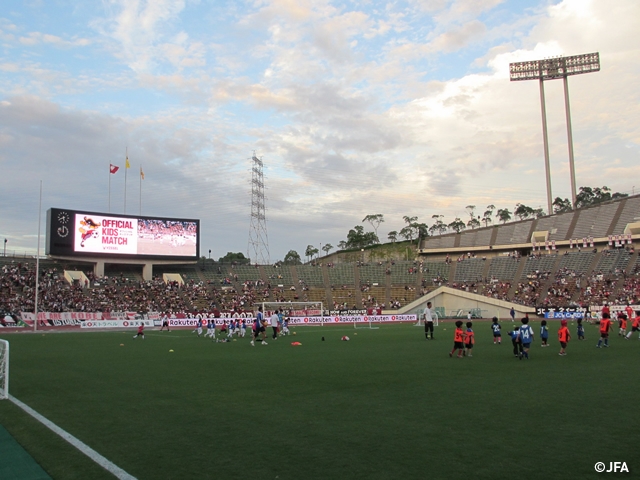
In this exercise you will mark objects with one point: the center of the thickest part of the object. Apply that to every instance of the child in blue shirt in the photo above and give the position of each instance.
(515, 340)
(496, 329)
(544, 333)
(580, 329)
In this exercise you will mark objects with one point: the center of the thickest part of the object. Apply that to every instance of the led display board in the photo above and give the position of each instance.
(81, 234)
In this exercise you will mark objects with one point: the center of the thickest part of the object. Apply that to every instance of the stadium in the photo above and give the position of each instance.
(491, 347)
(110, 392)
(574, 260)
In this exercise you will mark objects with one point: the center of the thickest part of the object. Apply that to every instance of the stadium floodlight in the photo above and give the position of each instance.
(551, 69)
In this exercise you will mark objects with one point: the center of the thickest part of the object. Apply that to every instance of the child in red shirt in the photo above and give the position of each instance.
(140, 331)
(469, 339)
(622, 324)
(458, 340)
(605, 325)
(635, 326)
(563, 336)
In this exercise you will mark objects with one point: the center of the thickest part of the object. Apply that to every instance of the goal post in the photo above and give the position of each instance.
(368, 325)
(294, 309)
(421, 319)
(4, 369)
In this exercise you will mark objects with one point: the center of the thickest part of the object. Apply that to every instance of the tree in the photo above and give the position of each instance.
(417, 229)
(409, 220)
(357, 238)
(393, 236)
(470, 209)
(561, 205)
(538, 213)
(457, 225)
(310, 251)
(342, 245)
(234, 257)
(439, 226)
(592, 196)
(422, 229)
(292, 258)
(375, 221)
(407, 233)
(504, 215)
(327, 248)
(488, 213)
(473, 222)
(522, 211)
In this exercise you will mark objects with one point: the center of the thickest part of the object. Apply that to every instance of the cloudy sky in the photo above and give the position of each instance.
(399, 108)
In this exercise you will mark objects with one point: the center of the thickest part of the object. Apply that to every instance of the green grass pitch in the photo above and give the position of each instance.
(386, 405)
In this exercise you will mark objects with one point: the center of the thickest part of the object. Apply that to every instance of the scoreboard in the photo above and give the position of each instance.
(79, 234)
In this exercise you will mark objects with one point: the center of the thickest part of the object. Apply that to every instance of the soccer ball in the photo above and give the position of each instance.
(294, 333)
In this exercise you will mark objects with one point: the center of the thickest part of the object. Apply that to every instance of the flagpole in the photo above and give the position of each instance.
(110, 188)
(126, 165)
(140, 212)
(35, 310)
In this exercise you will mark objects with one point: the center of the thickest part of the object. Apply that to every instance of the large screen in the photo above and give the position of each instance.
(77, 233)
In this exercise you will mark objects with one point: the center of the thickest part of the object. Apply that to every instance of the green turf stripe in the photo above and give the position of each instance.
(15, 462)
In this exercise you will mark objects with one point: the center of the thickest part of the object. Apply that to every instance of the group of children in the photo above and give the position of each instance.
(279, 324)
(463, 340)
(522, 337)
(235, 326)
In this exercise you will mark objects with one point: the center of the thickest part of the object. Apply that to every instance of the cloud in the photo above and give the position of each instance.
(37, 38)
(399, 109)
(139, 27)
(458, 37)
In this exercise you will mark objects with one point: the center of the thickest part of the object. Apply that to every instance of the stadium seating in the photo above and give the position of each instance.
(472, 261)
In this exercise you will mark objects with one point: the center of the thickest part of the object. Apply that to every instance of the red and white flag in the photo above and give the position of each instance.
(113, 168)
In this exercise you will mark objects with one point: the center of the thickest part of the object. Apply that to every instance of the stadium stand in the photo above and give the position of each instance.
(595, 221)
(469, 270)
(473, 261)
(481, 236)
(630, 214)
(503, 268)
(310, 275)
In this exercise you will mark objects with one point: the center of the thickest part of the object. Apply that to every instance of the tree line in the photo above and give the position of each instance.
(358, 238)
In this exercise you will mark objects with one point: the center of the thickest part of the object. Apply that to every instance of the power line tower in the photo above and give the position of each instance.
(258, 248)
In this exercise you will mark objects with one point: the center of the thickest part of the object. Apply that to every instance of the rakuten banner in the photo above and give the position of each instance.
(328, 320)
(193, 322)
(116, 323)
(337, 319)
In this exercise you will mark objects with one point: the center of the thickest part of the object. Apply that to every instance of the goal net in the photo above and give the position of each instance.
(310, 310)
(421, 319)
(366, 324)
(4, 369)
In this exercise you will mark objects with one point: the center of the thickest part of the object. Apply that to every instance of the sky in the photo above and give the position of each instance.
(356, 108)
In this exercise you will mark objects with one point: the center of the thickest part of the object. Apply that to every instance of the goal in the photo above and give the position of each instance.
(4, 369)
(368, 325)
(295, 309)
(420, 322)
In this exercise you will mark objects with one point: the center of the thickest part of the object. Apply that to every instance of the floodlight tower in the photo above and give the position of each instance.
(258, 248)
(550, 69)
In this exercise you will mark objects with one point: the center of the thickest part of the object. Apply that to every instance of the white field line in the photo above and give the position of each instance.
(83, 447)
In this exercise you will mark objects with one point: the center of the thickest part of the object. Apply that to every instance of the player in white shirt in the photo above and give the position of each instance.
(274, 324)
(428, 321)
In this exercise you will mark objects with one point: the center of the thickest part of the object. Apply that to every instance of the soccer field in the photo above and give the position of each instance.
(386, 405)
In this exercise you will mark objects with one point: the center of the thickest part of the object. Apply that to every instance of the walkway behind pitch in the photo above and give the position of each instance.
(15, 462)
